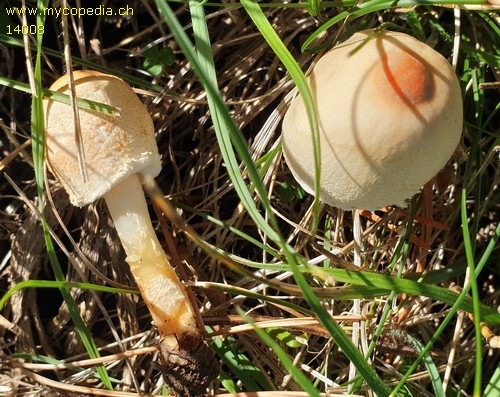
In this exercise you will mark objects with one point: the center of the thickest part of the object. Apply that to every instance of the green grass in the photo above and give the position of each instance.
(316, 290)
(38, 145)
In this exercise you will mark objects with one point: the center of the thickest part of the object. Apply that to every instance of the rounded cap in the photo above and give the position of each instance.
(390, 117)
(115, 146)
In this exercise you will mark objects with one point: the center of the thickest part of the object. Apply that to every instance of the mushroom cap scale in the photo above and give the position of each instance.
(390, 117)
(115, 146)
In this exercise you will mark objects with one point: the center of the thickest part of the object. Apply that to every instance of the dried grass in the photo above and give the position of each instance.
(254, 86)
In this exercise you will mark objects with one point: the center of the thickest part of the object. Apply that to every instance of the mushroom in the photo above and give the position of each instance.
(390, 116)
(117, 151)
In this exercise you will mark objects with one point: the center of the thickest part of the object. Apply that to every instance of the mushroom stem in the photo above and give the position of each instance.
(160, 287)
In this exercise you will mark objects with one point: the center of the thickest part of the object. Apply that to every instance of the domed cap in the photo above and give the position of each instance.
(115, 146)
(390, 117)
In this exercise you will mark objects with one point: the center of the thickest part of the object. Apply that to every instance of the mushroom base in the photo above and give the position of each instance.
(189, 365)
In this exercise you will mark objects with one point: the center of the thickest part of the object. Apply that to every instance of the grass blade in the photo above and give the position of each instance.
(298, 375)
(339, 335)
(255, 12)
(434, 376)
(493, 387)
(240, 365)
(38, 145)
(60, 285)
(227, 132)
(461, 297)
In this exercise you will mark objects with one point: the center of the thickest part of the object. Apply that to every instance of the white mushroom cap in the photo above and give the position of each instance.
(390, 117)
(115, 146)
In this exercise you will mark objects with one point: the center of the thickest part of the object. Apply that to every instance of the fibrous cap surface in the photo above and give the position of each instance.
(114, 146)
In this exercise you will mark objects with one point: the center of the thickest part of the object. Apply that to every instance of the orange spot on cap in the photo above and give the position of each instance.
(409, 77)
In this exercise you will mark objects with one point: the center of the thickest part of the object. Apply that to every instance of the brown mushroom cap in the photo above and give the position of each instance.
(115, 146)
(390, 117)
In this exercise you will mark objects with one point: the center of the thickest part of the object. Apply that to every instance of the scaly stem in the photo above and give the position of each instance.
(160, 287)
